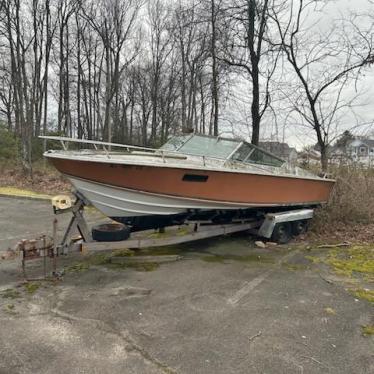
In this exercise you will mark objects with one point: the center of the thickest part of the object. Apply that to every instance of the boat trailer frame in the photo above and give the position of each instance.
(263, 226)
(141, 239)
(44, 247)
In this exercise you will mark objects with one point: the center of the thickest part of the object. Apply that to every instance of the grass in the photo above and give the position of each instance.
(330, 311)
(31, 288)
(104, 259)
(246, 258)
(368, 330)
(364, 294)
(355, 260)
(160, 251)
(19, 192)
(10, 308)
(295, 267)
(10, 293)
(77, 268)
(122, 253)
(355, 264)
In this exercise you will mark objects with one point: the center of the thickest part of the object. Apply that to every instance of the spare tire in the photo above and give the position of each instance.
(110, 232)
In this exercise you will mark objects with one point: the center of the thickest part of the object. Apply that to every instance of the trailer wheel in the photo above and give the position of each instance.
(299, 227)
(282, 233)
(110, 232)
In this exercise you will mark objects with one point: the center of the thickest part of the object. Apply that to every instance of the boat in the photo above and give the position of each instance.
(190, 177)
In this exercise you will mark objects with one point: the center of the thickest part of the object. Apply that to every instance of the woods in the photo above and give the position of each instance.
(136, 71)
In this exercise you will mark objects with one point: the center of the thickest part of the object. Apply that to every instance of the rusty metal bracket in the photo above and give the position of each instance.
(33, 249)
(77, 221)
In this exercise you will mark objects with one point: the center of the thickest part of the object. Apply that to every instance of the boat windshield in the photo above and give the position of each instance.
(174, 143)
(250, 154)
(202, 146)
(223, 148)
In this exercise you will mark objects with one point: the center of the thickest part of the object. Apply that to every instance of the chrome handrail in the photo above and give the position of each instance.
(63, 139)
(164, 154)
(157, 151)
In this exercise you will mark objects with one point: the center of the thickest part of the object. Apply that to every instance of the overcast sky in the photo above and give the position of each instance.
(237, 110)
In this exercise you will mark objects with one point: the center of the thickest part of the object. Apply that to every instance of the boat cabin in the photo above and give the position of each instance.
(221, 148)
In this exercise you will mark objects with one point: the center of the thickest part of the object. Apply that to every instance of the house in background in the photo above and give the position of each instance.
(361, 149)
(282, 150)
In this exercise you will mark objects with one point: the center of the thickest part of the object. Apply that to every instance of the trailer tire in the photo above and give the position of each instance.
(110, 232)
(282, 233)
(299, 227)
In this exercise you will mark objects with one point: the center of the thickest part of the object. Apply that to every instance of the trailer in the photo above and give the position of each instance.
(275, 226)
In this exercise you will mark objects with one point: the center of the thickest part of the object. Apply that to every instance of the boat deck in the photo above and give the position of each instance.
(178, 161)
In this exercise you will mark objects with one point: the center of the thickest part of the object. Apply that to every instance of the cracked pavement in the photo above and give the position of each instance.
(226, 307)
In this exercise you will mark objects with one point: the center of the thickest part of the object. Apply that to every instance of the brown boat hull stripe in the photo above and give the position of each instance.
(218, 186)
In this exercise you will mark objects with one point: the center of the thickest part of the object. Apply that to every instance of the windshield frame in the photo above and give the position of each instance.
(253, 147)
(230, 157)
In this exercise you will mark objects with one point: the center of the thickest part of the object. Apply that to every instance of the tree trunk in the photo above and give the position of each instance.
(324, 159)
(255, 109)
(107, 123)
(215, 97)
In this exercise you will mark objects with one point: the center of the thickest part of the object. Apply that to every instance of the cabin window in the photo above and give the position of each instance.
(250, 154)
(372, 150)
(243, 152)
(362, 150)
(194, 178)
(260, 157)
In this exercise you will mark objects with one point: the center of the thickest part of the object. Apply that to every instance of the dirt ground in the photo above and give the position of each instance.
(224, 307)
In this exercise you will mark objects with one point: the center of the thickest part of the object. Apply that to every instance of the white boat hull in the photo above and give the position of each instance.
(120, 202)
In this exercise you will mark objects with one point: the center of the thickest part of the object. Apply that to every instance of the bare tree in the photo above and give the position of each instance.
(137, 71)
(248, 48)
(324, 63)
(25, 48)
(159, 27)
(114, 21)
(213, 51)
(192, 33)
(65, 10)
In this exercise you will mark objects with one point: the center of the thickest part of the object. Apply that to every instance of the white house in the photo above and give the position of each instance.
(361, 150)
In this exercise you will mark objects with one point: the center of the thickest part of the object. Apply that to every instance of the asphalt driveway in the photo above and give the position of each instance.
(225, 307)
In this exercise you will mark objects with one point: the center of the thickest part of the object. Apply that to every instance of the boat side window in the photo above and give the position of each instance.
(243, 152)
(260, 157)
(247, 153)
